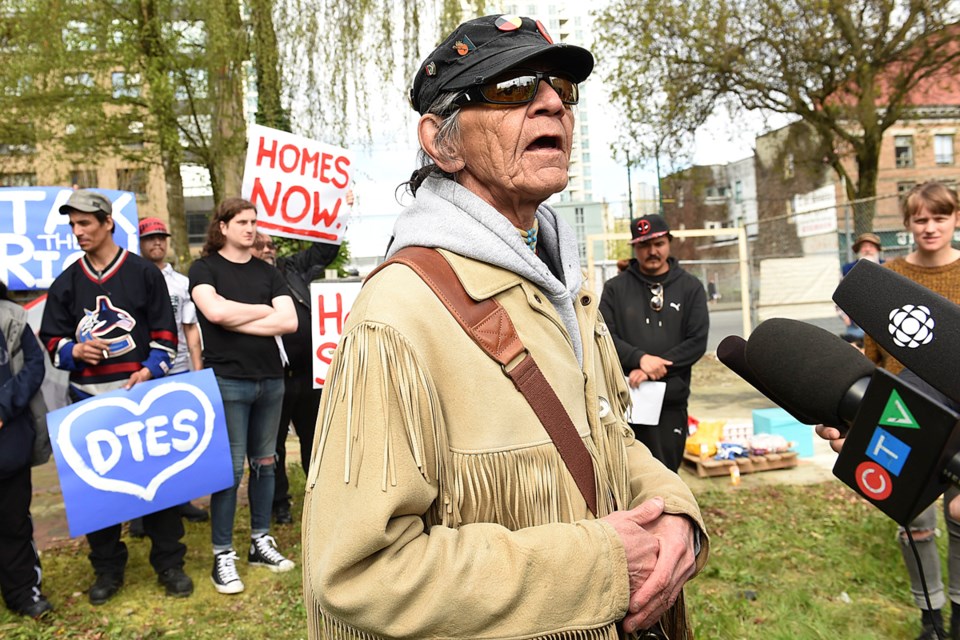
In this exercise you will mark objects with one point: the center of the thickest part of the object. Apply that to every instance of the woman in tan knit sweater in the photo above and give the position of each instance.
(930, 213)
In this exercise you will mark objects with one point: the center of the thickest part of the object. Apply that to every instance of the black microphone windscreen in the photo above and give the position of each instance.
(731, 352)
(916, 326)
(805, 366)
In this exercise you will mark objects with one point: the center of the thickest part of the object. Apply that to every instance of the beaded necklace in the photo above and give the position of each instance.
(530, 235)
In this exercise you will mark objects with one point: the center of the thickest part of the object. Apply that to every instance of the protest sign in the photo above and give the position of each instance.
(330, 304)
(298, 185)
(127, 453)
(36, 241)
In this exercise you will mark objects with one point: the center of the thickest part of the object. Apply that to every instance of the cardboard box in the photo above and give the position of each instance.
(779, 422)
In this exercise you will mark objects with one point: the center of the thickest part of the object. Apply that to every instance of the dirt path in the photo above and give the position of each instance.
(719, 394)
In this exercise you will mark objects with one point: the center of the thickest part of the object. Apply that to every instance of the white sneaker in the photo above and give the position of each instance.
(263, 553)
(224, 576)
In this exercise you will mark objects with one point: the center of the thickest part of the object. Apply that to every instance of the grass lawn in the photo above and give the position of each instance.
(781, 559)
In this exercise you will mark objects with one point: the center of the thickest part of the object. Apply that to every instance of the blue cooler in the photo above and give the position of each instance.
(778, 422)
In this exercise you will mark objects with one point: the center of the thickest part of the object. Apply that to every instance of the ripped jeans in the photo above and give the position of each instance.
(923, 528)
(252, 409)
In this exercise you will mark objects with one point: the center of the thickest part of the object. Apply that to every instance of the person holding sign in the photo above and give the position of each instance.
(439, 504)
(243, 307)
(108, 321)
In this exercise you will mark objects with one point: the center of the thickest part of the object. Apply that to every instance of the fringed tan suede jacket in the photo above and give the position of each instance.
(437, 506)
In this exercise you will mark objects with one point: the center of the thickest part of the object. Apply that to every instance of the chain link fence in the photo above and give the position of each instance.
(788, 267)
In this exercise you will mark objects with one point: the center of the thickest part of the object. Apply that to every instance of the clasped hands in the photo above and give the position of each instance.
(651, 368)
(660, 559)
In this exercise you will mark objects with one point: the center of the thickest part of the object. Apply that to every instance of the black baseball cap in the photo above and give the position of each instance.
(647, 228)
(483, 48)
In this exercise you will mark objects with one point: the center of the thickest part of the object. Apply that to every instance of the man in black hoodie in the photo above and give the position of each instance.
(657, 314)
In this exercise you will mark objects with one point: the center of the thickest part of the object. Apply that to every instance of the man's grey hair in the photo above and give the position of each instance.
(447, 141)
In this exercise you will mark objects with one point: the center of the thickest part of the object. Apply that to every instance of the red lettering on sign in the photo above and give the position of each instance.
(310, 159)
(325, 352)
(336, 314)
(270, 154)
(289, 163)
(295, 203)
(324, 215)
(288, 212)
(259, 196)
(341, 164)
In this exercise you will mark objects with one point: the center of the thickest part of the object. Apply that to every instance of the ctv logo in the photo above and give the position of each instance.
(888, 454)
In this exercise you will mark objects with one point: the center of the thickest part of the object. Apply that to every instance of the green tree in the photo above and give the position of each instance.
(346, 60)
(154, 82)
(845, 67)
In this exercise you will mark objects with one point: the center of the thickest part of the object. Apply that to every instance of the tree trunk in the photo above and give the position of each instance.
(227, 41)
(270, 111)
(868, 169)
(161, 98)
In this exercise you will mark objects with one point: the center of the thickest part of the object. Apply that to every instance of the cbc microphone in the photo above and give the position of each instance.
(916, 326)
(899, 450)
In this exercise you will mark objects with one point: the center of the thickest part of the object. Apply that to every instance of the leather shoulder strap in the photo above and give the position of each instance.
(489, 325)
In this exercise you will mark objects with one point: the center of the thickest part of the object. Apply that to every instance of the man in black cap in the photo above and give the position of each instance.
(657, 314)
(108, 321)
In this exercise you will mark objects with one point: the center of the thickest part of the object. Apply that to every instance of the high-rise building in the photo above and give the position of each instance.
(568, 22)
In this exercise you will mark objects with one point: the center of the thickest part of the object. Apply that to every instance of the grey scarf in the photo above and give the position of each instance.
(445, 215)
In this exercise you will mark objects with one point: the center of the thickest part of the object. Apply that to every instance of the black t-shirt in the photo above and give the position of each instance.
(229, 353)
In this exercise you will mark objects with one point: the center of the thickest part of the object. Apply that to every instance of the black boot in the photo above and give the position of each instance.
(932, 622)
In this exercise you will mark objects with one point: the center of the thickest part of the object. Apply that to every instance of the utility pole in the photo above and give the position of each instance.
(659, 189)
(629, 187)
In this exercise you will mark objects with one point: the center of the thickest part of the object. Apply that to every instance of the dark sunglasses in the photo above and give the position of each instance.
(656, 302)
(519, 86)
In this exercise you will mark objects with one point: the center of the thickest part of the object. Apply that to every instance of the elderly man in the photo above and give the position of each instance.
(866, 247)
(657, 315)
(473, 474)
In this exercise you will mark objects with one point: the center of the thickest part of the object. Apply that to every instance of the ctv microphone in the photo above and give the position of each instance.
(916, 326)
(900, 449)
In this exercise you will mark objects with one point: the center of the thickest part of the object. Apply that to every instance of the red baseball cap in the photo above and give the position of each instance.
(153, 227)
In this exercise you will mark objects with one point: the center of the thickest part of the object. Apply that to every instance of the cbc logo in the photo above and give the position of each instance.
(874, 481)
(911, 326)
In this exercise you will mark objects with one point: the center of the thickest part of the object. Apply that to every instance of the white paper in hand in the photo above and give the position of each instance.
(647, 402)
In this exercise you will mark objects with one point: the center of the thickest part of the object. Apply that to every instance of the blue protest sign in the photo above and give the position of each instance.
(124, 454)
(35, 239)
